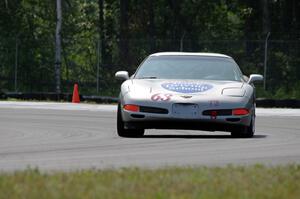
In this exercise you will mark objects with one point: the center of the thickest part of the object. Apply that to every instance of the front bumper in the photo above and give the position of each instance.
(169, 121)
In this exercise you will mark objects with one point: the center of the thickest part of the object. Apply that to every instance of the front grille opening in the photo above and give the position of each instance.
(233, 119)
(148, 109)
(219, 112)
(137, 116)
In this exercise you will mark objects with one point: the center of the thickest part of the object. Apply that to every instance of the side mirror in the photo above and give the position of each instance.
(246, 78)
(122, 75)
(254, 78)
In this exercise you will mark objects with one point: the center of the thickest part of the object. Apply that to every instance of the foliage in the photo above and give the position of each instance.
(133, 29)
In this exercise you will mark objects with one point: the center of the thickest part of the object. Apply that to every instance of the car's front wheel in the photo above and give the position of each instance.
(244, 131)
(122, 132)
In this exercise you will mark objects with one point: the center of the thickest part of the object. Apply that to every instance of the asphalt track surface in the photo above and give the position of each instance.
(67, 137)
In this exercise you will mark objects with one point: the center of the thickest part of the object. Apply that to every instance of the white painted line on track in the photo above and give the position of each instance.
(277, 112)
(58, 106)
(113, 108)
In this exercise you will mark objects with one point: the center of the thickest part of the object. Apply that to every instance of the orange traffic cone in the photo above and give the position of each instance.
(75, 98)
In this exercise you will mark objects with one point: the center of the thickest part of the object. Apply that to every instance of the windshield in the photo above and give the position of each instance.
(189, 67)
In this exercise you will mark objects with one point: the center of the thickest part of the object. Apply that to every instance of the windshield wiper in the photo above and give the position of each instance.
(148, 77)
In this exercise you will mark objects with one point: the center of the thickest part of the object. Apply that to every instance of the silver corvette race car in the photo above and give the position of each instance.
(200, 91)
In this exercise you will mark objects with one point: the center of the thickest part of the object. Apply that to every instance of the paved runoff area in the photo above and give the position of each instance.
(65, 136)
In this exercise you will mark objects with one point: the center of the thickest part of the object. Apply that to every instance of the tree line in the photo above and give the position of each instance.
(99, 37)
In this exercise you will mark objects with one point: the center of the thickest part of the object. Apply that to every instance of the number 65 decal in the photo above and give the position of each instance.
(161, 97)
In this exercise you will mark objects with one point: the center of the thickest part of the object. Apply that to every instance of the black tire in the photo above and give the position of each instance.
(244, 131)
(122, 132)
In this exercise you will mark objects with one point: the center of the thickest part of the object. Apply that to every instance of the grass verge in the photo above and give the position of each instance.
(203, 182)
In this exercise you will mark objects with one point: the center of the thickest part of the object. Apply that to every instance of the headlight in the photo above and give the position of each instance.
(233, 92)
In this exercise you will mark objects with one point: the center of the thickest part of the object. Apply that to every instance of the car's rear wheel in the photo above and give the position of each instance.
(244, 131)
(122, 132)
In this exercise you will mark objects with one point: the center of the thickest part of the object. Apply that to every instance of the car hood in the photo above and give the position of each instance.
(184, 87)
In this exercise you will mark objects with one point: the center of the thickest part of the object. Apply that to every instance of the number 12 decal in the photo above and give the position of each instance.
(161, 97)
